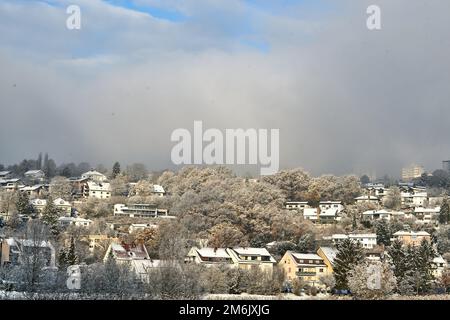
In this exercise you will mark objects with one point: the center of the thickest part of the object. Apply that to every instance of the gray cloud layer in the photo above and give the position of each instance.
(344, 98)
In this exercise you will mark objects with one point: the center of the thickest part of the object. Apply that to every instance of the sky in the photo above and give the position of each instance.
(345, 99)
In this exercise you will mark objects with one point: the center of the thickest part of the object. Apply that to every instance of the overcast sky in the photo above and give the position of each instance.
(345, 99)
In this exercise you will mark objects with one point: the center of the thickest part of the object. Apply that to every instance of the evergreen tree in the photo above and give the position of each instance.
(66, 172)
(424, 265)
(23, 204)
(398, 259)
(50, 216)
(383, 233)
(71, 256)
(111, 274)
(115, 170)
(45, 167)
(62, 258)
(39, 161)
(350, 253)
(444, 213)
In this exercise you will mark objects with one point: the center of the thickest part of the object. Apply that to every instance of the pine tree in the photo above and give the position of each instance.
(350, 253)
(39, 161)
(66, 172)
(50, 216)
(23, 204)
(71, 256)
(444, 213)
(424, 264)
(62, 258)
(111, 274)
(383, 233)
(398, 259)
(115, 170)
(45, 166)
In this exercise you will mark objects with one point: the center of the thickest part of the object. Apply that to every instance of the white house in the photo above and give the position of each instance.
(367, 240)
(209, 256)
(79, 222)
(141, 226)
(99, 190)
(94, 176)
(244, 258)
(296, 205)
(140, 210)
(33, 191)
(63, 205)
(382, 214)
(5, 175)
(335, 205)
(414, 199)
(310, 214)
(439, 266)
(35, 174)
(158, 190)
(427, 215)
(367, 199)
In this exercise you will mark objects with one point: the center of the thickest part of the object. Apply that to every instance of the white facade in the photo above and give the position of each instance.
(99, 190)
(94, 176)
(367, 240)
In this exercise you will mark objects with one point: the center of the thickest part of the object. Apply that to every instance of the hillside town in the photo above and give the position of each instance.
(128, 232)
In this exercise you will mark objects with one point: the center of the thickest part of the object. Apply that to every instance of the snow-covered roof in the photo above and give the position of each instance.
(158, 189)
(92, 173)
(411, 233)
(366, 198)
(105, 186)
(339, 236)
(4, 173)
(252, 251)
(427, 210)
(141, 266)
(34, 172)
(439, 259)
(31, 188)
(328, 213)
(38, 202)
(306, 256)
(310, 212)
(213, 253)
(330, 253)
(362, 235)
(61, 202)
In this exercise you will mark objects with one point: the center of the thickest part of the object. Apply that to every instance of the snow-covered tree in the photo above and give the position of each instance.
(371, 280)
(350, 253)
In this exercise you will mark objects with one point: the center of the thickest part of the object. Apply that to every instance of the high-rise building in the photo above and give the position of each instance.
(446, 165)
(412, 172)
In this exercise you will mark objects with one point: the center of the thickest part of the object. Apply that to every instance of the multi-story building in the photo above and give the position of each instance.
(139, 210)
(412, 238)
(328, 254)
(99, 190)
(244, 258)
(14, 249)
(35, 175)
(412, 172)
(308, 267)
(94, 176)
(63, 206)
(367, 240)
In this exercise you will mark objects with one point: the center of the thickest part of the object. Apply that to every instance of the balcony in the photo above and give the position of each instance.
(305, 273)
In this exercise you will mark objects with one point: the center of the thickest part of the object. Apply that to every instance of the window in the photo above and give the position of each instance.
(321, 270)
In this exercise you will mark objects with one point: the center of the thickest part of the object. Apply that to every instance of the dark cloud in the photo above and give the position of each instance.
(345, 99)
